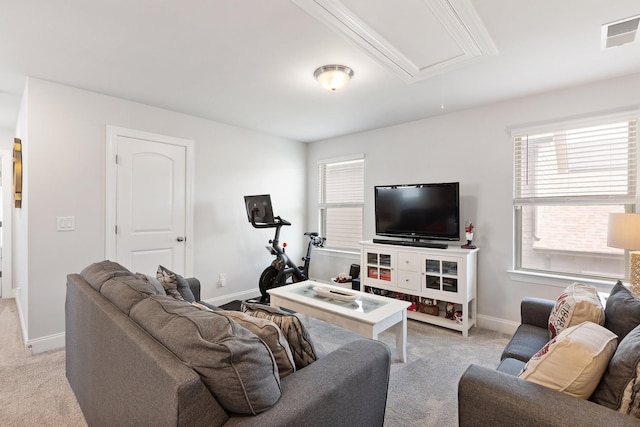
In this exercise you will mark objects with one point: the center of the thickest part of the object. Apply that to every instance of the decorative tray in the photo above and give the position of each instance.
(334, 294)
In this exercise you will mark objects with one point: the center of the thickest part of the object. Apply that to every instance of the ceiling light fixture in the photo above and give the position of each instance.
(333, 77)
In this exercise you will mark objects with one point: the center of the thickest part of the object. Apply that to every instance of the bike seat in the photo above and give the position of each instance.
(311, 233)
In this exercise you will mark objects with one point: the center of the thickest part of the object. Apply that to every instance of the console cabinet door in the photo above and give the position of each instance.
(441, 277)
(380, 268)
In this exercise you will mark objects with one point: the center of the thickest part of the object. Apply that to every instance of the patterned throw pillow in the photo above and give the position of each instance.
(574, 361)
(578, 303)
(294, 331)
(175, 285)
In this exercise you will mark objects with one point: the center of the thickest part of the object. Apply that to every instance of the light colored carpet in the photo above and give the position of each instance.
(33, 388)
(423, 392)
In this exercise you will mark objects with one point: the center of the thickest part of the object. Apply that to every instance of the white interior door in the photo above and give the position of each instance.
(151, 202)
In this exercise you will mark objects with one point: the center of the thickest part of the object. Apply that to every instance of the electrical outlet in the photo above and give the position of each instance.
(222, 280)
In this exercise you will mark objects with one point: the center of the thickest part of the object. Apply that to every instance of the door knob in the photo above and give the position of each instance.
(180, 239)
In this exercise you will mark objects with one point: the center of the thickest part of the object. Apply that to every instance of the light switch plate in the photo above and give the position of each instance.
(66, 223)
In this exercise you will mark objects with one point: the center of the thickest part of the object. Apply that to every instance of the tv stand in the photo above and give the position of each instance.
(435, 281)
(411, 243)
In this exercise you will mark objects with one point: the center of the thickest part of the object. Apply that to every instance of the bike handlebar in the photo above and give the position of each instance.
(279, 222)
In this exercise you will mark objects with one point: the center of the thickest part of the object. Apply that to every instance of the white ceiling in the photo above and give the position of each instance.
(250, 63)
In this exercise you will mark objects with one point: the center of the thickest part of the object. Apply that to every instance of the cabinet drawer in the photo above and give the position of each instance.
(408, 261)
(408, 280)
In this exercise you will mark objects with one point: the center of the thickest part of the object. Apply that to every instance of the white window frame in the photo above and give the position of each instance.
(549, 276)
(323, 206)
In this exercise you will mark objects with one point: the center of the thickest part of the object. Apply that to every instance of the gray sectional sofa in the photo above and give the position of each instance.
(125, 375)
(499, 398)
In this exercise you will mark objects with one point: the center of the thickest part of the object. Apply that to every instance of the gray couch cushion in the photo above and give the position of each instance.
(125, 292)
(622, 311)
(235, 365)
(271, 334)
(153, 281)
(525, 342)
(297, 336)
(618, 387)
(511, 366)
(98, 273)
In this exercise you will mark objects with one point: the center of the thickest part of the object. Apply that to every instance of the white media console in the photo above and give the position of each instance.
(420, 275)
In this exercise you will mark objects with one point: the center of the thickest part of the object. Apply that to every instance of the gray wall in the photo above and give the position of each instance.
(64, 137)
(63, 131)
(473, 147)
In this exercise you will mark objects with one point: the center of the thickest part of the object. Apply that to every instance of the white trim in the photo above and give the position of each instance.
(499, 325)
(586, 120)
(348, 158)
(221, 300)
(338, 252)
(558, 280)
(50, 342)
(23, 324)
(113, 132)
(7, 223)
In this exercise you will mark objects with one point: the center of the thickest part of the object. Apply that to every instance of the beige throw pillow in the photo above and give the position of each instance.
(578, 303)
(574, 361)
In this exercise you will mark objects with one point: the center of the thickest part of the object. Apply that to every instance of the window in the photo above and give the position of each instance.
(341, 202)
(566, 182)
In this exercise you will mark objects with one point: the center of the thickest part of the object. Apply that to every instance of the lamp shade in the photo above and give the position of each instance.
(333, 77)
(624, 231)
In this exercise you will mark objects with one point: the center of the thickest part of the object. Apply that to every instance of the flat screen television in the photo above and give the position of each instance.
(418, 211)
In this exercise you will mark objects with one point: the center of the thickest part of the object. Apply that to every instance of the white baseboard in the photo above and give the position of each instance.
(55, 341)
(50, 342)
(23, 323)
(499, 325)
(218, 301)
(41, 344)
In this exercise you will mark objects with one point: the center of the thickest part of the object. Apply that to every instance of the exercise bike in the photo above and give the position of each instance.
(282, 269)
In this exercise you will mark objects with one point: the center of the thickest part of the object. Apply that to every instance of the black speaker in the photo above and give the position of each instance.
(354, 271)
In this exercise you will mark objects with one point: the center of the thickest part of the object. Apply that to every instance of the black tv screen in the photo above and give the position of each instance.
(418, 211)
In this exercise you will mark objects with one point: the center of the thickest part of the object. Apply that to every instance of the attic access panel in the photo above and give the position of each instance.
(415, 39)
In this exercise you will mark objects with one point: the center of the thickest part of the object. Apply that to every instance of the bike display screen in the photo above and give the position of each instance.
(261, 205)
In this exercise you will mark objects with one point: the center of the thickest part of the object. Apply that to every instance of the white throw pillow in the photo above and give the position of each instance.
(574, 361)
(576, 304)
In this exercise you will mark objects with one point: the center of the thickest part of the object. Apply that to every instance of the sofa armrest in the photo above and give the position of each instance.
(347, 387)
(492, 398)
(194, 284)
(536, 311)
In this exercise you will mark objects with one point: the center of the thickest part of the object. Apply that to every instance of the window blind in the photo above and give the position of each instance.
(342, 182)
(341, 201)
(592, 165)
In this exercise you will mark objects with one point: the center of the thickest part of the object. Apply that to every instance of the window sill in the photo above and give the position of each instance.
(558, 280)
(353, 252)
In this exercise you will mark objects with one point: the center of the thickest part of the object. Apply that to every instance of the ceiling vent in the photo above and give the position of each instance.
(620, 32)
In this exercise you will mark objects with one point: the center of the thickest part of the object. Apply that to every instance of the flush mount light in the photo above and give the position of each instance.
(333, 77)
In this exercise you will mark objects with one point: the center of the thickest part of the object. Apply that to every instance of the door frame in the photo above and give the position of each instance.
(6, 157)
(113, 132)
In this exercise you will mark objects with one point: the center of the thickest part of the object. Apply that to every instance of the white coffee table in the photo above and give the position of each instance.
(368, 315)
